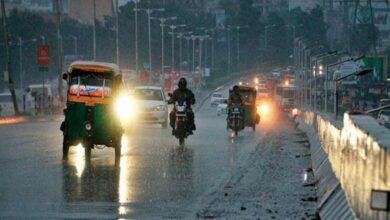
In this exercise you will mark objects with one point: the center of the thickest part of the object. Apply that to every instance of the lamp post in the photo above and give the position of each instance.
(162, 25)
(188, 38)
(181, 36)
(228, 44)
(316, 72)
(94, 30)
(149, 13)
(357, 73)
(173, 28)
(193, 38)
(117, 31)
(326, 79)
(136, 33)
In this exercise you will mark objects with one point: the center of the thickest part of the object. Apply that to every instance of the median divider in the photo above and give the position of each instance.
(349, 161)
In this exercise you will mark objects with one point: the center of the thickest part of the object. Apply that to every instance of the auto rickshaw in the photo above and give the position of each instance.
(250, 116)
(90, 117)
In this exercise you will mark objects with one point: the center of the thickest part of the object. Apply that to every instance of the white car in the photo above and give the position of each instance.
(216, 98)
(152, 105)
(384, 117)
(221, 109)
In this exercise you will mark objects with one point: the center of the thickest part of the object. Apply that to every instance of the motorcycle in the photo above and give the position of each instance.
(235, 120)
(181, 129)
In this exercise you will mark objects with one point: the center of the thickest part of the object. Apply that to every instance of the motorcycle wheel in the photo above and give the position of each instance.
(87, 150)
(181, 141)
(254, 127)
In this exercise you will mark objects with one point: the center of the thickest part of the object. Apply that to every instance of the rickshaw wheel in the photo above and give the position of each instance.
(87, 150)
(65, 148)
(118, 147)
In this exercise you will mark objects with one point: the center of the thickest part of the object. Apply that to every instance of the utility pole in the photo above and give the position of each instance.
(59, 51)
(94, 30)
(8, 59)
(149, 13)
(173, 28)
(193, 37)
(136, 33)
(117, 31)
(228, 44)
(162, 25)
(20, 44)
(188, 38)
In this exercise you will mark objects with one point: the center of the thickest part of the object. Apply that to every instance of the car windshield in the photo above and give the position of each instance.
(149, 94)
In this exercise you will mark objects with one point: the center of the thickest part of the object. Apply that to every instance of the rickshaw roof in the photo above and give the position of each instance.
(95, 67)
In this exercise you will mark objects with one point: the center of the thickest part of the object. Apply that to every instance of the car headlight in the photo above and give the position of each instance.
(159, 108)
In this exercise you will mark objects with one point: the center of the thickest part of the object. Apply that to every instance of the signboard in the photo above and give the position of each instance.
(43, 55)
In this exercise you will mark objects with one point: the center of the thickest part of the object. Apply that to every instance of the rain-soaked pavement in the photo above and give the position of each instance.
(154, 177)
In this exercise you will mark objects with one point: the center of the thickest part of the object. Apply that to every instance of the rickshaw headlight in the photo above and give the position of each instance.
(124, 108)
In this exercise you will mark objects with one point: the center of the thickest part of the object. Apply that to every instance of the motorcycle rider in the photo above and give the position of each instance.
(183, 93)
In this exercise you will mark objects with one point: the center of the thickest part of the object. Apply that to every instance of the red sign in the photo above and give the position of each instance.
(43, 55)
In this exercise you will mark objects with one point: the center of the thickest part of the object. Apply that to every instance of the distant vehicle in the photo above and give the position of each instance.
(221, 108)
(263, 93)
(152, 103)
(285, 96)
(37, 91)
(216, 98)
(384, 117)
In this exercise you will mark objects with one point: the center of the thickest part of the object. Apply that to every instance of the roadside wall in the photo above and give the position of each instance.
(357, 152)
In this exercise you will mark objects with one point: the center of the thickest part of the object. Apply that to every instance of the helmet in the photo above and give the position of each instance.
(182, 83)
(235, 88)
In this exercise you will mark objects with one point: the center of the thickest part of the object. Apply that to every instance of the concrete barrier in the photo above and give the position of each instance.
(349, 161)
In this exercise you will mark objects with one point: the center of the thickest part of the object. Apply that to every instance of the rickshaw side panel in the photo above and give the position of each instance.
(74, 121)
(105, 129)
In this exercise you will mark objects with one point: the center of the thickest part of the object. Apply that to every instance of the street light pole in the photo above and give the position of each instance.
(20, 63)
(238, 45)
(357, 73)
(193, 37)
(173, 28)
(136, 33)
(149, 13)
(8, 59)
(162, 25)
(117, 31)
(94, 30)
(228, 43)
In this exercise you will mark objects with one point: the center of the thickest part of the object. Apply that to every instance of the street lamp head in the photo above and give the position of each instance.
(364, 71)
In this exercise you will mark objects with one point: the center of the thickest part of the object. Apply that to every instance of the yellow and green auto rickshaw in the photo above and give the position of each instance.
(90, 116)
(250, 116)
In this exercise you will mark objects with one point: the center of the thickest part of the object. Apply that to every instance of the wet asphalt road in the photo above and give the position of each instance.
(154, 178)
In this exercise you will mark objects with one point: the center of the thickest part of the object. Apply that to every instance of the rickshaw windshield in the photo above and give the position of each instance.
(248, 95)
(90, 84)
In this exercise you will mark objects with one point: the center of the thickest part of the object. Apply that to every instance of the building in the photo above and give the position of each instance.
(36, 6)
(267, 6)
(82, 10)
